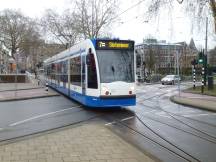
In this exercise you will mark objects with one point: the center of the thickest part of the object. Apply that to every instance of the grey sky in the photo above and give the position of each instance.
(132, 25)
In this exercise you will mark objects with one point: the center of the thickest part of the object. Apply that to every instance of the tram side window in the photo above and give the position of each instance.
(75, 71)
(49, 71)
(92, 73)
(45, 71)
(64, 69)
(53, 70)
(58, 72)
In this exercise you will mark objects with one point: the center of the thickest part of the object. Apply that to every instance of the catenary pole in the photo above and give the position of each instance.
(206, 41)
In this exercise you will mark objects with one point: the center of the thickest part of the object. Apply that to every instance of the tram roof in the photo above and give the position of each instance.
(64, 53)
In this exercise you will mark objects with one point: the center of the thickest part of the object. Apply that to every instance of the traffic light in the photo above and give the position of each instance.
(201, 58)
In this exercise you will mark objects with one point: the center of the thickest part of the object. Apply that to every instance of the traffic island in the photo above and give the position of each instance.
(195, 100)
(206, 91)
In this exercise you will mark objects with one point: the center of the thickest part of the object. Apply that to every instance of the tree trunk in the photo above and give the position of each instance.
(13, 52)
(213, 7)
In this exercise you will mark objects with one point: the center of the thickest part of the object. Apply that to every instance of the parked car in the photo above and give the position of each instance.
(170, 79)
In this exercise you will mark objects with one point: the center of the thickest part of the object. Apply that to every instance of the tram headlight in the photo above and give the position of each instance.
(105, 90)
(132, 88)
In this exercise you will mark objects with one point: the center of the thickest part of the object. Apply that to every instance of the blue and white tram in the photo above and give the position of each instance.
(96, 73)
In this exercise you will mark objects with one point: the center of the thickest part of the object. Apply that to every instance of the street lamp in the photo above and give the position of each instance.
(177, 54)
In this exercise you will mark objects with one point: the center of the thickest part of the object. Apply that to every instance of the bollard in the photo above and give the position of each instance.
(203, 73)
(194, 77)
(47, 87)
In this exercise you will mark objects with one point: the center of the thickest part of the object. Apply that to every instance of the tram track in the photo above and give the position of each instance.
(186, 157)
(207, 136)
(177, 128)
(163, 138)
(159, 107)
(182, 116)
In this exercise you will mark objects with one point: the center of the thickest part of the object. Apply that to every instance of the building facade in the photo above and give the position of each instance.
(212, 57)
(159, 57)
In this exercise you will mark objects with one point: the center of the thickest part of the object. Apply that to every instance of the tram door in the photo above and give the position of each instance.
(83, 59)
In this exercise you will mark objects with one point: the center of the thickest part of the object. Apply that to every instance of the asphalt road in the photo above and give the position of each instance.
(157, 126)
(20, 118)
(189, 132)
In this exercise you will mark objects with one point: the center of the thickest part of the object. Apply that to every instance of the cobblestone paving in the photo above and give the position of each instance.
(85, 143)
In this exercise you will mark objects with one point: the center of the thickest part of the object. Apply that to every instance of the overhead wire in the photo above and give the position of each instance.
(131, 7)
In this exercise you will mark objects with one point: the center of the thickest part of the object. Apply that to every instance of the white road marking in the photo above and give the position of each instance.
(157, 93)
(152, 111)
(193, 115)
(110, 123)
(188, 111)
(163, 114)
(40, 116)
(168, 90)
(168, 95)
(127, 118)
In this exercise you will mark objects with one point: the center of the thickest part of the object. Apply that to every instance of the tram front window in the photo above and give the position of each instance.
(116, 65)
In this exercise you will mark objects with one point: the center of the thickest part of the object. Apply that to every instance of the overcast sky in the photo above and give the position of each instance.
(133, 25)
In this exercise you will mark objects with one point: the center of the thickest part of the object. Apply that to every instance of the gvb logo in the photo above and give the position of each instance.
(102, 44)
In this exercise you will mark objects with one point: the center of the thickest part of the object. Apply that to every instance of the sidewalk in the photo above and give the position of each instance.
(82, 143)
(23, 91)
(196, 100)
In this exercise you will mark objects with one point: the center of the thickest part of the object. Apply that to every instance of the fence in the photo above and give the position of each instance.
(11, 78)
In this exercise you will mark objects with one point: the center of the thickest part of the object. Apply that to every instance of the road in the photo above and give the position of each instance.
(188, 134)
(168, 131)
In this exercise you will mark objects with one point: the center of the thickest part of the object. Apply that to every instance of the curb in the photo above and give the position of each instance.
(205, 105)
(22, 89)
(29, 98)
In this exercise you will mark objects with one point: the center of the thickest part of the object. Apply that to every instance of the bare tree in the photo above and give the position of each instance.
(12, 28)
(94, 16)
(62, 27)
(197, 6)
(31, 42)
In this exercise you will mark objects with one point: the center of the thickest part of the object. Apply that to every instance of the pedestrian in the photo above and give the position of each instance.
(35, 74)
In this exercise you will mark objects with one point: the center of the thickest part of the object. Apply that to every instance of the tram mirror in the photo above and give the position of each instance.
(87, 59)
(90, 50)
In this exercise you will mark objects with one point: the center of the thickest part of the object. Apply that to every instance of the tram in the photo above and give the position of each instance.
(95, 72)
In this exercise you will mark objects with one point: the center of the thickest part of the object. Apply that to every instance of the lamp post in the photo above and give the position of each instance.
(177, 54)
(206, 40)
(16, 61)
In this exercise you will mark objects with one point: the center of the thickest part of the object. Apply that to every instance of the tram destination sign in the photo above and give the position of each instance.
(113, 44)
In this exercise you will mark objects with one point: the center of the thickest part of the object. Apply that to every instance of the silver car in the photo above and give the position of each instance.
(170, 79)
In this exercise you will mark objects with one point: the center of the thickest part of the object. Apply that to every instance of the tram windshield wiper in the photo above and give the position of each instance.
(113, 69)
